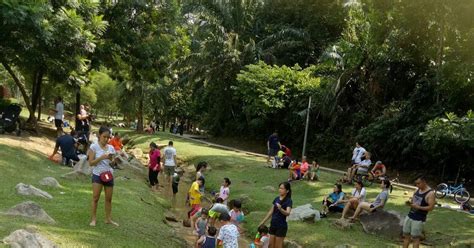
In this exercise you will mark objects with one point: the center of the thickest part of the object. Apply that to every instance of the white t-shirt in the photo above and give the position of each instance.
(364, 166)
(103, 165)
(360, 193)
(59, 111)
(357, 154)
(224, 193)
(229, 234)
(170, 153)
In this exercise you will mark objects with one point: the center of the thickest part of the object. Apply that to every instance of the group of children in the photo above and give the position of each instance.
(304, 170)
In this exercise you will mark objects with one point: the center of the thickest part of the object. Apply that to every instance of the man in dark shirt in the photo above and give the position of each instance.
(273, 145)
(67, 143)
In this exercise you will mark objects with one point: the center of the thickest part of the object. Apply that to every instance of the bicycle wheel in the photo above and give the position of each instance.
(462, 196)
(441, 190)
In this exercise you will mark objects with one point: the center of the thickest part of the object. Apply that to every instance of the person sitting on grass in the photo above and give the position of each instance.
(228, 234)
(358, 196)
(209, 240)
(224, 191)
(304, 169)
(236, 214)
(295, 172)
(200, 226)
(216, 210)
(194, 196)
(378, 171)
(333, 202)
(378, 203)
(314, 171)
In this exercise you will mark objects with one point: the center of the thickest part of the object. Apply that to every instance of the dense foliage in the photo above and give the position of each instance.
(383, 73)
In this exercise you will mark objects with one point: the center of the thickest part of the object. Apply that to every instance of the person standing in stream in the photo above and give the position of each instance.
(170, 161)
(280, 209)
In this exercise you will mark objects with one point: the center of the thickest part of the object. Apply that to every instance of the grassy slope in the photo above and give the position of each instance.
(248, 177)
(141, 224)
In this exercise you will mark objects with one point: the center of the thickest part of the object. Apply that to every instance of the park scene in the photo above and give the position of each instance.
(243, 123)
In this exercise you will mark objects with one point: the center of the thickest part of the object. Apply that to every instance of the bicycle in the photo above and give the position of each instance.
(461, 195)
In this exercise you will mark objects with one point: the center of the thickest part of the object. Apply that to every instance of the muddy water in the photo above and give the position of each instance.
(180, 210)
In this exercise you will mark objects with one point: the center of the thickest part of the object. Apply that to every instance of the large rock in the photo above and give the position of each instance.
(135, 164)
(25, 189)
(30, 210)
(50, 182)
(82, 167)
(269, 189)
(343, 224)
(383, 223)
(244, 198)
(304, 213)
(25, 239)
(137, 152)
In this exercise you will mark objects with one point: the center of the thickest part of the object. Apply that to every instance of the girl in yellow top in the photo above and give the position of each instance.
(194, 196)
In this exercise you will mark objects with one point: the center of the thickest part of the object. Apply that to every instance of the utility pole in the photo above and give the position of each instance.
(306, 128)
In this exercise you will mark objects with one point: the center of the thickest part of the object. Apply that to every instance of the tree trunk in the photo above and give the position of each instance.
(37, 81)
(140, 115)
(20, 85)
(39, 107)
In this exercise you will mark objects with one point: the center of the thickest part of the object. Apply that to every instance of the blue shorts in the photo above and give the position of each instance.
(96, 179)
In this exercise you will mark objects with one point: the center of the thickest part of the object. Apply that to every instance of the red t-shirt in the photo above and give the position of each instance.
(379, 167)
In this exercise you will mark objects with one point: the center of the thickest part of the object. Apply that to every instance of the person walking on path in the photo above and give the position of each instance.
(422, 202)
(170, 161)
(100, 156)
(280, 209)
(58, 115)
(154, 166)
(273, 145)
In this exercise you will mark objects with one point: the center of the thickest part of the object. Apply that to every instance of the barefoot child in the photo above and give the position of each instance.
(216, 210)
(314, 171)
(294, 171)
(201, 224)
(194, 195)
(304, 169)
(224, 191)
(175, 182)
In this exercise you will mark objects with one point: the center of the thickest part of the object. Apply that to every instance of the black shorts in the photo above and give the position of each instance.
(96, 179)
(58, 123)
(278, 231)
(175, 188)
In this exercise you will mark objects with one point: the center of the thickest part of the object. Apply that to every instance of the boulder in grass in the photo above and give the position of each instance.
(31, 210)
(23, 238)
(50, 182)
(383, 223)
(269, 189)
(304, 213)
(343, 224)
(30, 190)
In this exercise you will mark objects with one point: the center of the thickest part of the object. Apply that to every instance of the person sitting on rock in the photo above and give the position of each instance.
(358, 196)
(334, 201)
(379, 202)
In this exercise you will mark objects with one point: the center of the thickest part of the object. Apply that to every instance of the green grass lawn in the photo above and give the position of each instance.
(141, 224)
(249, 177)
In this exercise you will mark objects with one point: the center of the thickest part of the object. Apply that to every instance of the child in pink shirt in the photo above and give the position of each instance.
(304, 168)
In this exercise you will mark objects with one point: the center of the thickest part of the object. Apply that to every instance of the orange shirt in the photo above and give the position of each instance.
(116, 143)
